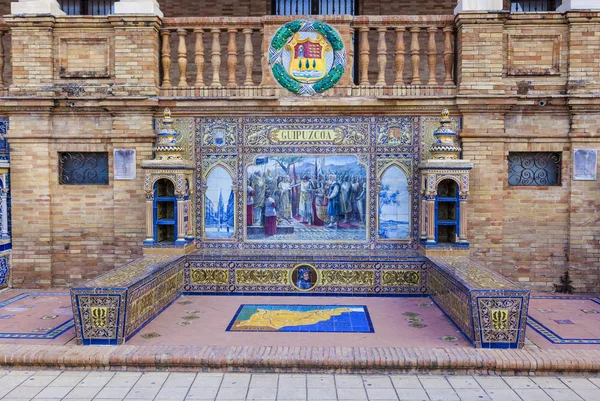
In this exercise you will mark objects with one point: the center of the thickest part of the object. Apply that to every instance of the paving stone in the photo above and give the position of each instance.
(589, 395)
(142, 393)
(68, 379)
(351, 393)
(595, 380)
(520, 382)
(262, 393)
(264, 380)
(491, 382)
(54, 392)
(578, 383)
(442, 394)
(463, 382)
(381, 394)
(124, 379)
(349, 381)
(411, 394)
(236, 380)
(295, 381)
(172, 393)
(318, 394)
(405, 382)
(180, 380)
(25, 392)
(37, 381)
(548, 382)
(472, 394)
(96, 379)
(532, 394)
(83, 392)
(202, 393)
(291, 393)
(439, 382)
(502, 394)
(377, 382)
(232, 393)
(320, 381)
(207, 380)
(154, 379)
(563, 394)
(113, 392)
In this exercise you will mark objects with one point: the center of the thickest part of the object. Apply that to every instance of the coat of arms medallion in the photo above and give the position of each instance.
(307, 57)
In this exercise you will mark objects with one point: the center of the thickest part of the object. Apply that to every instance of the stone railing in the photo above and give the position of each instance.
(226, 57)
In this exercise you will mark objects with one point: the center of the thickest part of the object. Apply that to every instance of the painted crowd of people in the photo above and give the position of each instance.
(317, 200)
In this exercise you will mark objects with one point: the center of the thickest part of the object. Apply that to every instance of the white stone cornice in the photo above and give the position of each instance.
(138, 7)
(35, 7)
(568, 5)
(478, 5)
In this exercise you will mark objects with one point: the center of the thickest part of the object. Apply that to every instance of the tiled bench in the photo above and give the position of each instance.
(489, 310)
(113, 307)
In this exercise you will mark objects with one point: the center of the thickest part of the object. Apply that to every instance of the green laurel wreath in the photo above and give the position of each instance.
(281, 38)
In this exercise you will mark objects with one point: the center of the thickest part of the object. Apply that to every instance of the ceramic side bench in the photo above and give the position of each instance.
(113, 307)
(489, 309)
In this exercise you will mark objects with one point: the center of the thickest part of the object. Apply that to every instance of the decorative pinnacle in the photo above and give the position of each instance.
(167, 113)
(445, 113)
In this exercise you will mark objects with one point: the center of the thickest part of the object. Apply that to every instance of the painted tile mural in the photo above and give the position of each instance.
(219, 216)
(306, 198)
(394, 201)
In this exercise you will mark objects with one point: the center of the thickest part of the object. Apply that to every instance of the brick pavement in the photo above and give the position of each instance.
(84, 386)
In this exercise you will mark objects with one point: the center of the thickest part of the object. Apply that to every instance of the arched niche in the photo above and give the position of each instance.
(219, 204)
(393, 205)
(164, 211)
(447, 211)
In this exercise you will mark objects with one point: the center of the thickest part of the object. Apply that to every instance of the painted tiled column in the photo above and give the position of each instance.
(149, 212)
(423, 234)
(430, 200)
(181, 226)
(189, 231)
(4, 209)
(462, 235)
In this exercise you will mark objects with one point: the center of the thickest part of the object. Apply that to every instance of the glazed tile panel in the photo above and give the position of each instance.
(113, 306)
(256, 273)
(488, 309)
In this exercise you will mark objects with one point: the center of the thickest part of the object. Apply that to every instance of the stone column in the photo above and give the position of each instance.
(430, 201)
(36, 7)
(138, 7)
(149, 217)
(478, 5)
(568, 5)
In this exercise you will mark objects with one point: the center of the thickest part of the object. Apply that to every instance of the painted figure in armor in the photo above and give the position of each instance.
(249, 204)
(346, 195)
(304, 282)
(334, 203)
(285, 198)
(306, 210)
(270, 215)
(259, 186)
(361, 201)
(316, 190)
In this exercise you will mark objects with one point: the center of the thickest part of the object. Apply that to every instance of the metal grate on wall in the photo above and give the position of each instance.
(534, 168)
(83, 168)
(87, 7)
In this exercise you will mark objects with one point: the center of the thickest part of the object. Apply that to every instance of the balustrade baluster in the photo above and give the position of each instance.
(232, 58)
(216, 57)
(364, 55)
(199, 57)
(182, 58)
(166, 58)
(381, 56)
(400, 54)
(432, 53)
(448, 55)
(415, 57)
(248, 56)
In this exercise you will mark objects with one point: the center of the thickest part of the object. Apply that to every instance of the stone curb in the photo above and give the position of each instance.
(301, 359)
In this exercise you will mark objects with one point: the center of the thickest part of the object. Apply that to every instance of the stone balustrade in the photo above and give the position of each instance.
(226, 57)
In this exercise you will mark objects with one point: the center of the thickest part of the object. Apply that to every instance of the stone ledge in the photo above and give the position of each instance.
(302, 359)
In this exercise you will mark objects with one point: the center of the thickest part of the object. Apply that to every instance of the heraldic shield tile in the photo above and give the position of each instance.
(302, 318)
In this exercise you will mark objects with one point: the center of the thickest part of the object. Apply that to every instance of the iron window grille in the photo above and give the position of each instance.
(533, 5)
(87, 7)
(83, 168)
(534, 168)
(314, 7)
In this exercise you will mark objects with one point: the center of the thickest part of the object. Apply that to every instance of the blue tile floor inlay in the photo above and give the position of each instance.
(52, 328)
(302, 318)
(551, 335)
